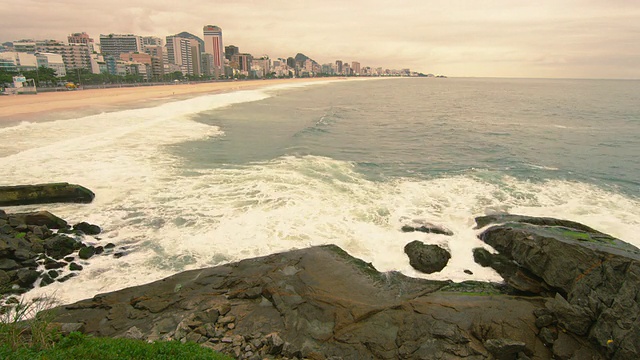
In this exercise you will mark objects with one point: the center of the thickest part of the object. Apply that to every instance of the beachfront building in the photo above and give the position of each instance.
(151, 41)
(74, 55)
(184, 52)
(52, 61)
(157, 60)
(244, 63)
(355, 67)
(339, 67)
(261, 66)
(346, 69)
(213, 45)
(20, 61)
(116, 44)
(24, 46)
(231, 50)
(140, 64)
(82, 38)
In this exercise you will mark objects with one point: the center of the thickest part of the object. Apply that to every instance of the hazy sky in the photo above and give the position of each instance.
(508, 38)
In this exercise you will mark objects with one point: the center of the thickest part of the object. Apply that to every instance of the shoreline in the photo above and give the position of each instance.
(18, 108)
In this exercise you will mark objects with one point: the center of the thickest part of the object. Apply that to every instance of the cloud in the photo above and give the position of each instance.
(572, 38)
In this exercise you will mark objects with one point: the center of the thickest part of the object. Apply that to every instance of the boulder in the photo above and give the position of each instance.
(44, 194)
(86, 252)
(505, 349)
(27, 277)
(40, 218)
(426, 258)
(60, 246)
(595, 276)
(88, 229)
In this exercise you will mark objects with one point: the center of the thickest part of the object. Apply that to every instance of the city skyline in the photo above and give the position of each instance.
(574, 39)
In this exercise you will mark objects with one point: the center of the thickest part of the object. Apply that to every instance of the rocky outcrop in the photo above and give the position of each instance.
(319, 303)
(570, 292)
(44, 194)
(426, 258)
(34, 246)
(595, 278)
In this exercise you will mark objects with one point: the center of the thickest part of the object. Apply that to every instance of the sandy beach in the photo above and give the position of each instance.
(14, 107)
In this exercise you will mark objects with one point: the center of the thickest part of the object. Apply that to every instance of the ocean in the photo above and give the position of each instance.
(197, 182)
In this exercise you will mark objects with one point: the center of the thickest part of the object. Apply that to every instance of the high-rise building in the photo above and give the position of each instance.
(244, 62)
(184, 52)
(74, 55)
(355, 67)
(231, 50)
(339, 67)
(213, 45)
(116, 44)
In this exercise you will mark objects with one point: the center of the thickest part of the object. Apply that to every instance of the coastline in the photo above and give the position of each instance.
(16, 108)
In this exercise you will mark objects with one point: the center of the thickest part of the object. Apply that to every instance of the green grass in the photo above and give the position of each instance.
(25, 334)
(79, 346)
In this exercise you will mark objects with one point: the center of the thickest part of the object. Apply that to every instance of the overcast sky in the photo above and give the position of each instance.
(502, 38)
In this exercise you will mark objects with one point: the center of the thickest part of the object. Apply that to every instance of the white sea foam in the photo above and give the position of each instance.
(171, 219)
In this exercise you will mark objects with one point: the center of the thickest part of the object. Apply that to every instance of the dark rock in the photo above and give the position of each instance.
(468, 272)
(88, 229)
(595, 275)
(69, 258)
(504, 349)
(483, 221)
(8, 264)
(29, 263)
(518, 278)
(67, 277)
(38, 231)
(426, 258)
(60, 246)
(75, 267)
(574, 318)
(544, 320)
(548, 336)
(45, 280)
(40, 218)
(23, 254)
(426, 227)
(99, 250)
(52, 264)
(27, 277)
(44, 194)
(4, 278)
(110, 246)
(6, 229)
(274, 344)
(3, 215)
(53, 274)
(86, 252)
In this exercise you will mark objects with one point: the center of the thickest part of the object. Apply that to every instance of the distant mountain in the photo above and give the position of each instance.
(187, 35)
(302, 58)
